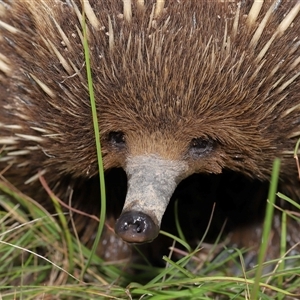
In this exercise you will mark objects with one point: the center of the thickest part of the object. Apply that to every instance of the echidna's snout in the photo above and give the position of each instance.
(136, 227)
(151, 183)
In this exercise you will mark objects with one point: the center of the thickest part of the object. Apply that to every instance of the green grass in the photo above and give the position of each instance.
(39, 260)
(97, 138)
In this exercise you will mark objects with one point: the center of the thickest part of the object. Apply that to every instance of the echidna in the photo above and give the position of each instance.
(194, 98)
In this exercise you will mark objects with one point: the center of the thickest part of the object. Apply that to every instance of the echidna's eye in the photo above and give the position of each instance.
(200, 146)
(117, 138)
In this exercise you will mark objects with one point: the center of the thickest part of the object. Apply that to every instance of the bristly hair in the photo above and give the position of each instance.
(228, 70)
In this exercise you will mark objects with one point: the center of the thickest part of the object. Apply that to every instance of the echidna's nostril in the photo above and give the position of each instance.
(136, 227)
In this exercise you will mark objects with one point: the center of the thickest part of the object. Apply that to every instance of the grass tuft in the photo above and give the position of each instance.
(35, 263)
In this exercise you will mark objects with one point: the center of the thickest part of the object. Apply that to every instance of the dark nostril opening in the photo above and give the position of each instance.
(136, 227)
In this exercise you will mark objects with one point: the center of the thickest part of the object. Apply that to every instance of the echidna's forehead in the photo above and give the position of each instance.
(178, 105)
(147, 120)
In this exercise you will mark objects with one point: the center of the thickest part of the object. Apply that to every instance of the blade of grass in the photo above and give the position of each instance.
(97, 140)
(177, 239)
(294, 203)
(178, 227)
(267, 227)
(283, 240)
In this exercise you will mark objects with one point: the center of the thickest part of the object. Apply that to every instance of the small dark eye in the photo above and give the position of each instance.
(200, 146)
(117, 138)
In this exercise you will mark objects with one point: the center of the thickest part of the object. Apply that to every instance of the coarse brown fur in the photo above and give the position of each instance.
(196, 69)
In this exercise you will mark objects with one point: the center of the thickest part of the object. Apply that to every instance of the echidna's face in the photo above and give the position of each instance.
(156, 158)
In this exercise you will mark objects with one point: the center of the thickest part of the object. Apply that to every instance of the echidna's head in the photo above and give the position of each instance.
(160, 134)
(179, 91)
(185, 100)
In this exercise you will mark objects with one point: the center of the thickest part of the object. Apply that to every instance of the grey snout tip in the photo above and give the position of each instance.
(136, 227)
